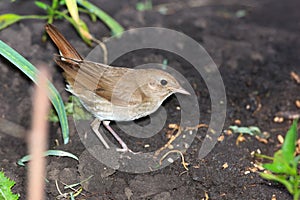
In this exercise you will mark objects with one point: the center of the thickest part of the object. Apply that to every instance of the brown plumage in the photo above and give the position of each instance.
(112, 93)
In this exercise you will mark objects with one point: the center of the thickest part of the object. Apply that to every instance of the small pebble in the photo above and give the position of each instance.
(258, 151)
(237, 122)
(297, 103)
(278, 119)
(225, 165)
(280, 139)
(221, 138)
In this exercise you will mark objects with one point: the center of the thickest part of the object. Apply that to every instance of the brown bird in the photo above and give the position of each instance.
(112, 93)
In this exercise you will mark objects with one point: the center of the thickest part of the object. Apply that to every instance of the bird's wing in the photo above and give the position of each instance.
(119, 86)
(114, 84)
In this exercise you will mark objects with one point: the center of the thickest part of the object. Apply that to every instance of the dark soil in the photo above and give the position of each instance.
(255, 54)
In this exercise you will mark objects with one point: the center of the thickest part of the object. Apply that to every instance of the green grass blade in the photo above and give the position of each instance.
(5, 188)
(27, 68)
(279, 179)
(59, 153)
(289, 144)
(114, 26)
(42, 5)
(8, 19)
(73, 10)
(81, 28)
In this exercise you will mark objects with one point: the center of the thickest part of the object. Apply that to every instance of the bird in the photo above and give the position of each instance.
(112, 93)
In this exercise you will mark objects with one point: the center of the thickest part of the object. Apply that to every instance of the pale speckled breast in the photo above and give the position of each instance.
(105, 110)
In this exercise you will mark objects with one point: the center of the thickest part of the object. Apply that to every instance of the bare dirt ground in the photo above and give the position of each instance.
(255, 53)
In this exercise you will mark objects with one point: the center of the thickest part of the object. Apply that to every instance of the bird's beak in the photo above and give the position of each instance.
(181, 91)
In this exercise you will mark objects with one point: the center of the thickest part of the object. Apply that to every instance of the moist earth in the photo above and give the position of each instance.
(255, 45)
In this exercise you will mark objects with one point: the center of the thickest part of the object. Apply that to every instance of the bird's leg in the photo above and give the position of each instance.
(95, 126)
(121, 142)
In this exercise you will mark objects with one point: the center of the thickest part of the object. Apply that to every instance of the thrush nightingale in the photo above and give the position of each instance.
(112, 93)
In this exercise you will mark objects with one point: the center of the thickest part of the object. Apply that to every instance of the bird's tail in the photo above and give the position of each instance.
(65, 48)
(69, 59)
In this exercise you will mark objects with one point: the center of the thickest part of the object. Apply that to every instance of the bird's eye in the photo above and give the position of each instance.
(163, 82)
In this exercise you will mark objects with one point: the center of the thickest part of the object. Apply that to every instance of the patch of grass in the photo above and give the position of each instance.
(73, 108)
(31, 72)
(5, 188)
(284, 166)
(68, 10)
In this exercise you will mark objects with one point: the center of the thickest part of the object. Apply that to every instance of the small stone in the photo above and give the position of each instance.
(170, 160)
(278, 119)
(237, 122)
(297, 102)
(225, 165)
(221, 138)
(280, 139)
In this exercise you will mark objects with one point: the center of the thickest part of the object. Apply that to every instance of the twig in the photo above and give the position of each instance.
(185, 164)
(173, 137)
(177, 127)
(104, 49)
(37, 139)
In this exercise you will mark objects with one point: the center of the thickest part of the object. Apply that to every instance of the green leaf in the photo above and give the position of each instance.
(78, 112)
(284, 161)
(280, 179)
(81, 28)
(42, 5)
(55, 4)
(59, 153)
(79, 25)
(114, 26)
(251, 130)
(285, 164)
(27, 68)
(62, 2)
(280, 165)
(73, 108)
(8, 19)
(73, 10)
(5, 188)
(52, 117)
(143, 6)
(289, 144)
(93, 17)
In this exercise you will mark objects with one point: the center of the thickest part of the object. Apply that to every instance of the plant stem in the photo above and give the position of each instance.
(114, 26)
(264, 156)
(34, 17)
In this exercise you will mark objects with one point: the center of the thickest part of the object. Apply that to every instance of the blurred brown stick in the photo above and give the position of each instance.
(37, 140)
